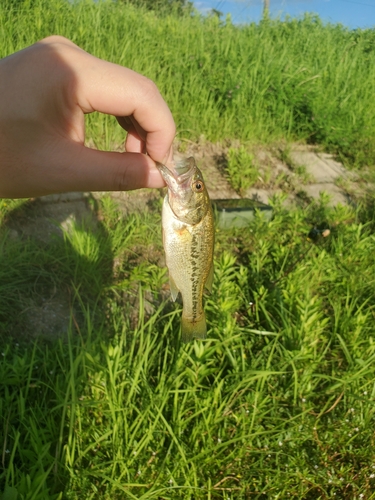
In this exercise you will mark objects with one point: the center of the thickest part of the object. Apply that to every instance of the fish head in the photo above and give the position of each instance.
(187, 193)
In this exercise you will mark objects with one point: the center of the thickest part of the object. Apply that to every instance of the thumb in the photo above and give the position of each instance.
(74, 167)
(93, 170)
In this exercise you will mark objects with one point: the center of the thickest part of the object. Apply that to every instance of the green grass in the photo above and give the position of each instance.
(278, 402)
(241, 169)
(296, 80)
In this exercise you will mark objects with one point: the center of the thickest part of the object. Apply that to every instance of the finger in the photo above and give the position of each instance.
(58, 39)
(92, 170)
(112, 89)
(134, 144)
(136, 137)
(129, 124)
(122, 92)
(77, 168)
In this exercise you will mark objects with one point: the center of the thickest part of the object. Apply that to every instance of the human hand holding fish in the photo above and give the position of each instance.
(45, 91)
(188, 239)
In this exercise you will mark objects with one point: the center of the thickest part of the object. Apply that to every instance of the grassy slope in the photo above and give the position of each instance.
(297, 80)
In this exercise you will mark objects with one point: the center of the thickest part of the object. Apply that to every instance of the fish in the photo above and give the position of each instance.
(188, 240)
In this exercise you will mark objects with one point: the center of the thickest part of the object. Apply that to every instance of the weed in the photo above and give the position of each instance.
(303, 175)
(241, 170)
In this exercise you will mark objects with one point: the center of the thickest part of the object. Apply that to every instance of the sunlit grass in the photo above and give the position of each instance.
(296, 80)
(277, 402)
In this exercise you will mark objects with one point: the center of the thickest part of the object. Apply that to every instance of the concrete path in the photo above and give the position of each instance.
(325, 172)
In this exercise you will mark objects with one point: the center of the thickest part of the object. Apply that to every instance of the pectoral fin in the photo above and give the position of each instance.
(210, 279)
(173, 287)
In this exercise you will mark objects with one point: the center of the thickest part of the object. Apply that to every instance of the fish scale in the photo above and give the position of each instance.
(188, 238)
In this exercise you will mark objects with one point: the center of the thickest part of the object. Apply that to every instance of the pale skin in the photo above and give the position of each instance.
(45, 91)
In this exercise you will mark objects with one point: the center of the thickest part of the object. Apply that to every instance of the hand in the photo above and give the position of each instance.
(45, 90)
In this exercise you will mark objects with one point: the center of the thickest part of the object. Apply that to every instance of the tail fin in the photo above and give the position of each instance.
(193, 329)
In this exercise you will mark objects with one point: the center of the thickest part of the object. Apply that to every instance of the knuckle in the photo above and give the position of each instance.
(173, 130)
(56, 39)
(148, 89)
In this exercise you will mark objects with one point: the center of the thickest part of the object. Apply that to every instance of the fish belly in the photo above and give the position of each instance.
(189, 253)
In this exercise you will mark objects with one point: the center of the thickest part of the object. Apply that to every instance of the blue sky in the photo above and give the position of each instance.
(351, 13)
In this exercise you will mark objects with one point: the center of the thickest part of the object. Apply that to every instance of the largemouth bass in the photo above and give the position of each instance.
(188, 239)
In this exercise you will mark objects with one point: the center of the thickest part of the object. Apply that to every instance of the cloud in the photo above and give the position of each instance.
(204, 7)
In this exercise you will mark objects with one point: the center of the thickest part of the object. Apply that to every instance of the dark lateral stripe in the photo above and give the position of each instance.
(194, 256)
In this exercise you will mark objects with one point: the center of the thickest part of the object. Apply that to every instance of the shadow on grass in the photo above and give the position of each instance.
(67, 282)
(49, 252)
(56, 259)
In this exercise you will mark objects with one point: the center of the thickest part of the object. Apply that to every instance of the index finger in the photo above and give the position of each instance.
(115, 90)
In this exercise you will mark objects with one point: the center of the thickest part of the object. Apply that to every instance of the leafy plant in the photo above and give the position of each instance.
(241, 170)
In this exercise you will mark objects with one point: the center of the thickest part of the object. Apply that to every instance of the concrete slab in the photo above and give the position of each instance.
(322, 167)
(337, 196)
(140, 200)
(49, 317)
(262, 195)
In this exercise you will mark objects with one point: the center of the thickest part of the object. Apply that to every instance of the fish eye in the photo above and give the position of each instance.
(198, 186)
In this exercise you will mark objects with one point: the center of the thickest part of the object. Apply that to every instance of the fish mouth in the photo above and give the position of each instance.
(184, 168)
(176, 179)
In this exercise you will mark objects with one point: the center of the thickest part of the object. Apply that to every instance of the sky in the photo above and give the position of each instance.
(351, 13)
